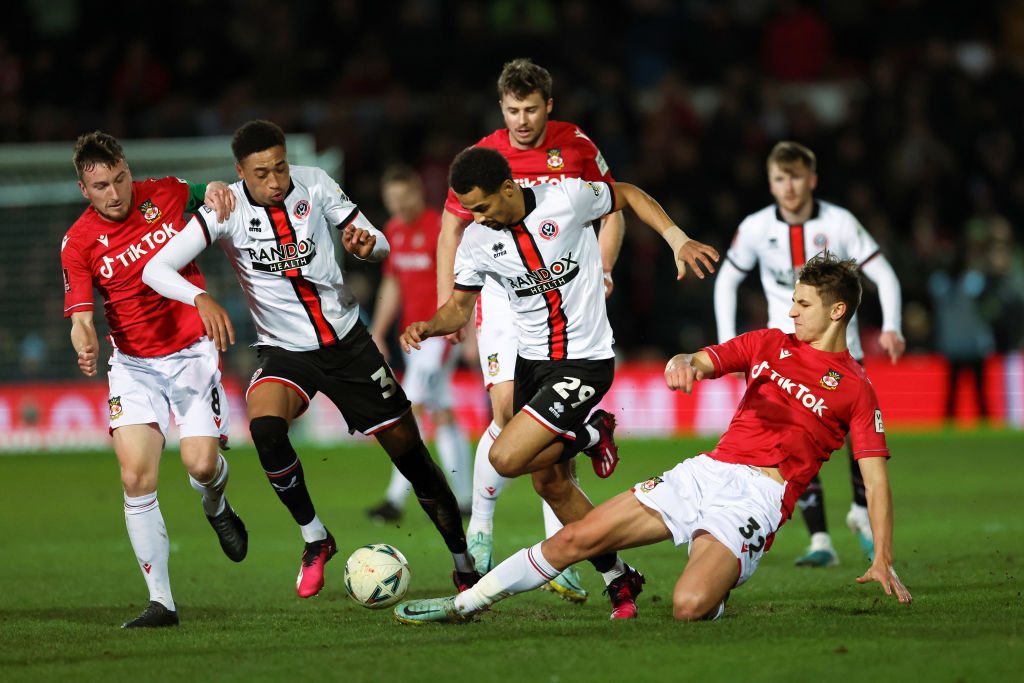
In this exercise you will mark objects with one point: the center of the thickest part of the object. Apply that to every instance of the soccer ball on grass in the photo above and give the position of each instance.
(377, 575)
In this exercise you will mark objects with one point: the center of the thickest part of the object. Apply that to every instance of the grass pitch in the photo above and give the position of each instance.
(69, 579)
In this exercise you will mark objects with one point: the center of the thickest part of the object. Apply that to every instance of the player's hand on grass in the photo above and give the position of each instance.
(216, 321)
(87, 360)
(695, 254)
(220, 199)
(893, 344)
(358, 242)
(890, 582)
(413, 335)
(680, 374)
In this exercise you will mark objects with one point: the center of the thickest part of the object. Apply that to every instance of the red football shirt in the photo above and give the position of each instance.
(110, 257)
(565, 153)
(799, 404)
(413, 261)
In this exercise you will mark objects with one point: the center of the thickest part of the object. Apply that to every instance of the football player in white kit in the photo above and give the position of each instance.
(779, 239)
(539, 243)
(309, 335)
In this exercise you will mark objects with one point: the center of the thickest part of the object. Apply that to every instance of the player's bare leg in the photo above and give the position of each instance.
(525, 446)
(208, 474)
(560, 489)
(410, 455)
(138, 450)
(272, 406)
(710, 574)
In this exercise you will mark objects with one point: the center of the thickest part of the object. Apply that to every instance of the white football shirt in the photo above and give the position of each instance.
(550, 266)
(764, 239)
(284, 259)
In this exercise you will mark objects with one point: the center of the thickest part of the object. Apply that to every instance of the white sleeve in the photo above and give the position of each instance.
(161, 273)
(343, 213)
(726, 283)
(591, 200)
(742, 253)
(467, 277)
(889, 294)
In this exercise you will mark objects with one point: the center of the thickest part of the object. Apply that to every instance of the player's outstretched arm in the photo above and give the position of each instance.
(453, 315)
(684, 369)
(879, 271)
(879, 494)
(452, 227)
(389, 302)
(85, 342)
(609, 240)
(688, 252)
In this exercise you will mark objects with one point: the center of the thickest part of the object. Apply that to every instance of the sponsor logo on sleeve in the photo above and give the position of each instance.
(879, 427)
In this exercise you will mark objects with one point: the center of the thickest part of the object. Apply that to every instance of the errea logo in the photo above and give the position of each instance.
(499, 249)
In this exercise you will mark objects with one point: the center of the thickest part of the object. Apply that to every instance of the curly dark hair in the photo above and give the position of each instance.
(256, 136)
(480, 167)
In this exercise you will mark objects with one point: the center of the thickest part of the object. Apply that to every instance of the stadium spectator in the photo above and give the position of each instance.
(310, 336)
(804, 393)
(163, 359)
(779, 239)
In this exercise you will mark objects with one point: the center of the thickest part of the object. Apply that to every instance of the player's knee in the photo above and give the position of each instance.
(505, 459)
(268, 432)
(573, 541)
(692, 606)
(553, 489)
(137, 481)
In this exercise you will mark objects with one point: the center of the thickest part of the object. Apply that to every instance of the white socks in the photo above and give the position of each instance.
(453, 451)
(487, 484)
(551, 522)
(213, 490)
(821, 541)
(526, 570)
(148, 536)
(313, 531)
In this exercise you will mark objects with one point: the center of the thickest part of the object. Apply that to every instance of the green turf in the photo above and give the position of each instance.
(69, 578)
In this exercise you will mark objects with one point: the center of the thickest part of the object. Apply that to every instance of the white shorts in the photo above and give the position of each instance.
(428, 373)
(736, 504)
(497, 336)
(187, 382)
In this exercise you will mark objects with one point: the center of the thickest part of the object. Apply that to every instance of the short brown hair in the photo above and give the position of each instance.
(788, 153)
(520, 77)
(94, 148)
(834, 279)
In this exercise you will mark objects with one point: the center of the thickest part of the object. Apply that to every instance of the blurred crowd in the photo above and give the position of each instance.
(914, 109)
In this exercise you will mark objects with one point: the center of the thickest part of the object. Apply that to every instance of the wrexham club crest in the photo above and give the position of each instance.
(649, 485)
(492, 365)
(831, 380)
(555, 160)
(115, 407)
(149, 211)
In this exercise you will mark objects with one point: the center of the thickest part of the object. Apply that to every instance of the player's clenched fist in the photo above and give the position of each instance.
(358, 242)
(413, 335)
(680, 373)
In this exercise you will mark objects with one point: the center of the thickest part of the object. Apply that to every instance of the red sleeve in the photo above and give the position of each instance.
(735, 355)
(452, 205)
(867, 432)
(591, 168)
(77, 280)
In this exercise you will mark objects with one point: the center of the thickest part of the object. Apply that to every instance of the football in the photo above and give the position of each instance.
(377, 575)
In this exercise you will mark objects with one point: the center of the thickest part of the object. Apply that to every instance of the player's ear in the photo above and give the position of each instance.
(81, 186)
(551, 104)
(838, 310)
(238, 167)
(813, 183)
